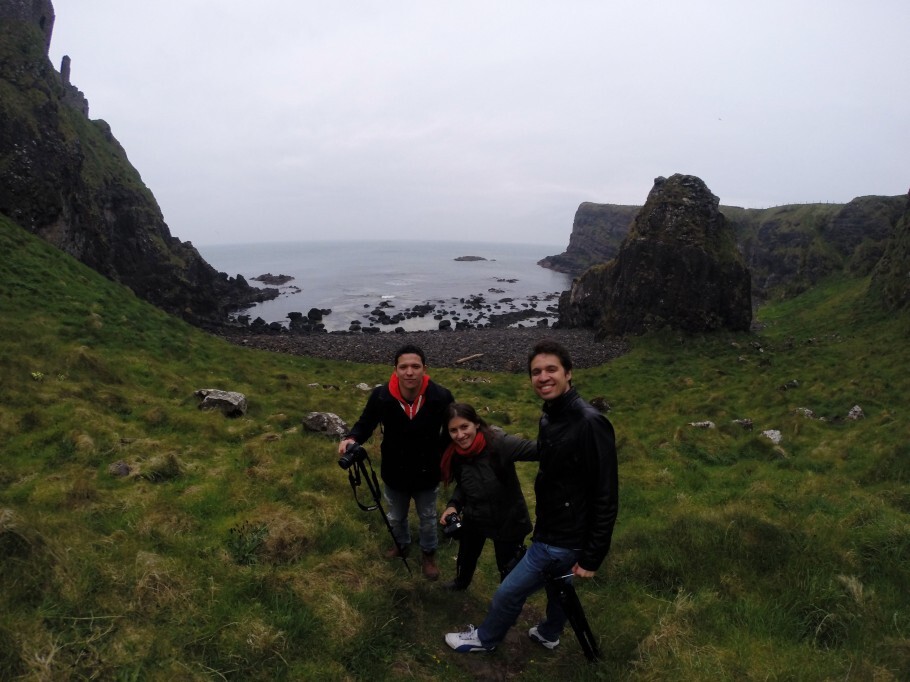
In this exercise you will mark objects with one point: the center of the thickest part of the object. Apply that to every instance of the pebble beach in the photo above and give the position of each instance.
(485, 349)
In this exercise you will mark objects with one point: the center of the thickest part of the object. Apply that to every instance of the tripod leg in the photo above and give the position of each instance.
(373, 484)
(565, 592)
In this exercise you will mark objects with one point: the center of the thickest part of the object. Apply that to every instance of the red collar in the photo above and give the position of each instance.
(410, 408)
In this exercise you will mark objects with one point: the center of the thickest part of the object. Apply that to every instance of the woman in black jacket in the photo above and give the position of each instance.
(487, 496)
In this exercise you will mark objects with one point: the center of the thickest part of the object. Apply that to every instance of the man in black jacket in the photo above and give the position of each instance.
(411, 410)
(577, 503)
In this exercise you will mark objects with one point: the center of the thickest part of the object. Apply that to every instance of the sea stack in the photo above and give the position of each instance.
(678, 268)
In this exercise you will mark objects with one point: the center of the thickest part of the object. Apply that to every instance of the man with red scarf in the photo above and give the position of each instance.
(411, 411)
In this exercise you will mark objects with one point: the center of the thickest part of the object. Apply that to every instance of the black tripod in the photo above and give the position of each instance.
(560, 588)
(357, 458)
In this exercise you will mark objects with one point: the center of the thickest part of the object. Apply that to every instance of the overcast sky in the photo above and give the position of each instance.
(484, 120)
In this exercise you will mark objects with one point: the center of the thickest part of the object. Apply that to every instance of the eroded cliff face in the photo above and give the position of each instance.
(787, 248)
(891, 276)
(678, 268)
(597, 232)
(65, 178)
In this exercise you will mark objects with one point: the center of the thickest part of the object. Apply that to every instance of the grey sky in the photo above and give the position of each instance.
(481, 120)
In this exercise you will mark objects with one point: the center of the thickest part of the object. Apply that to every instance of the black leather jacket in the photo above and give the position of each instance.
(577, 484)
(411, 448)
(488, 493)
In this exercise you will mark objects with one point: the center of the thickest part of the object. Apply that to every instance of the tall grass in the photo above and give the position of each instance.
(143, 539)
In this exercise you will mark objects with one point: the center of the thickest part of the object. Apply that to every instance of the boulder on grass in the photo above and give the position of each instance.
(325, 422)
(229, 403)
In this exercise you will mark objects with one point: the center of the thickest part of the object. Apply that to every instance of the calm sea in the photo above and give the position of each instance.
(353, 278)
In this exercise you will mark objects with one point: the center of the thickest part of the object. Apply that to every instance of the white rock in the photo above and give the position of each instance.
(856, 412)
(773, 435)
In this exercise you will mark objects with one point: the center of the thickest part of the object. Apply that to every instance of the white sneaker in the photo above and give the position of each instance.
(540, 639)
(465, 642)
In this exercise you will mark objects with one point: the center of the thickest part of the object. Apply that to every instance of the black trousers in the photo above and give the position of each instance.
(470, 545)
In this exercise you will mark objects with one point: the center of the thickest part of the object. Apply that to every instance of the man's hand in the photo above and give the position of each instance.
(343, 445)
(580, 572)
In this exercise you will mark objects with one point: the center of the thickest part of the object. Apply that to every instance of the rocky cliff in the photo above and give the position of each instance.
(677, 268)
(787, 248)
(66, 178)
(597, 232)
(891, 276)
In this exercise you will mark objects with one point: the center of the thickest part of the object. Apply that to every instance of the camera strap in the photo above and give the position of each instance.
(355, 476)
(354, 479)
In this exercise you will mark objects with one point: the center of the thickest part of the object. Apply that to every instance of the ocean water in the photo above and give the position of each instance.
(352, 278)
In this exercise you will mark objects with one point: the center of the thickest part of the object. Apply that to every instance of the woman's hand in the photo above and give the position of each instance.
(448, 510)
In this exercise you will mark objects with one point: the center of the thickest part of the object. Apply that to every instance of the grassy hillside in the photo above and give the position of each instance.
(234, 549)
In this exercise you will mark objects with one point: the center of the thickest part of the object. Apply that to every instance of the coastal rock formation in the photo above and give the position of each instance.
(597, 232)
(791, 248)
(65, 178)
(860, 230)
(891, 277)
(37, 13)
(678, 268)
(787, 248)
(273, 280)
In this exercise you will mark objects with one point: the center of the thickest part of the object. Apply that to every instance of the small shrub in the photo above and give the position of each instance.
(245, 542)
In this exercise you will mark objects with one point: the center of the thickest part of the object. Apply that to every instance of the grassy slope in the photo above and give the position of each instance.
(234, 550)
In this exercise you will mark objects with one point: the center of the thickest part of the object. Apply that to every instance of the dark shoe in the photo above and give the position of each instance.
(454, 586)
(535, 635)
(428, 565)
(395, 553)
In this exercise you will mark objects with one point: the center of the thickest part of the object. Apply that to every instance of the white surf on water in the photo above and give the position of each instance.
(353, 278)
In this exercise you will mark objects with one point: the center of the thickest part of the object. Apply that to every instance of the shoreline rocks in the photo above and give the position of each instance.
(273, 280)
(488, 349)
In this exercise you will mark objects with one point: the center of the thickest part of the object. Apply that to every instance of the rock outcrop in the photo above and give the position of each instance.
(67, 179)
(677, 268)
(597, 232)
(787, 248)
(327, 423)
(891, 276)
(229, 403)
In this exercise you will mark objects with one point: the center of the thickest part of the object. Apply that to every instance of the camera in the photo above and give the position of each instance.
(452, 525)
(353, 454)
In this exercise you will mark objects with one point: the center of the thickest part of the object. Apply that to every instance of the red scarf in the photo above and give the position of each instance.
(478, 446)
(411, 409)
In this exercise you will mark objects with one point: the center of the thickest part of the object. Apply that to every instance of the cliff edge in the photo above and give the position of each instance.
(788, 249)
(65, 178)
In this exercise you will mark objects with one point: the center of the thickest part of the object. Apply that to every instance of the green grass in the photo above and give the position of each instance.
(234, 549)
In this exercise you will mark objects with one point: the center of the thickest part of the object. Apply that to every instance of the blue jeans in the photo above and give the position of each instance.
(525, 579)
(397, 504)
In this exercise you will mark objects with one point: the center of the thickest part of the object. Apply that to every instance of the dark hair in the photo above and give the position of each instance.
(408, 349)
(550, 347)
(466, 411)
